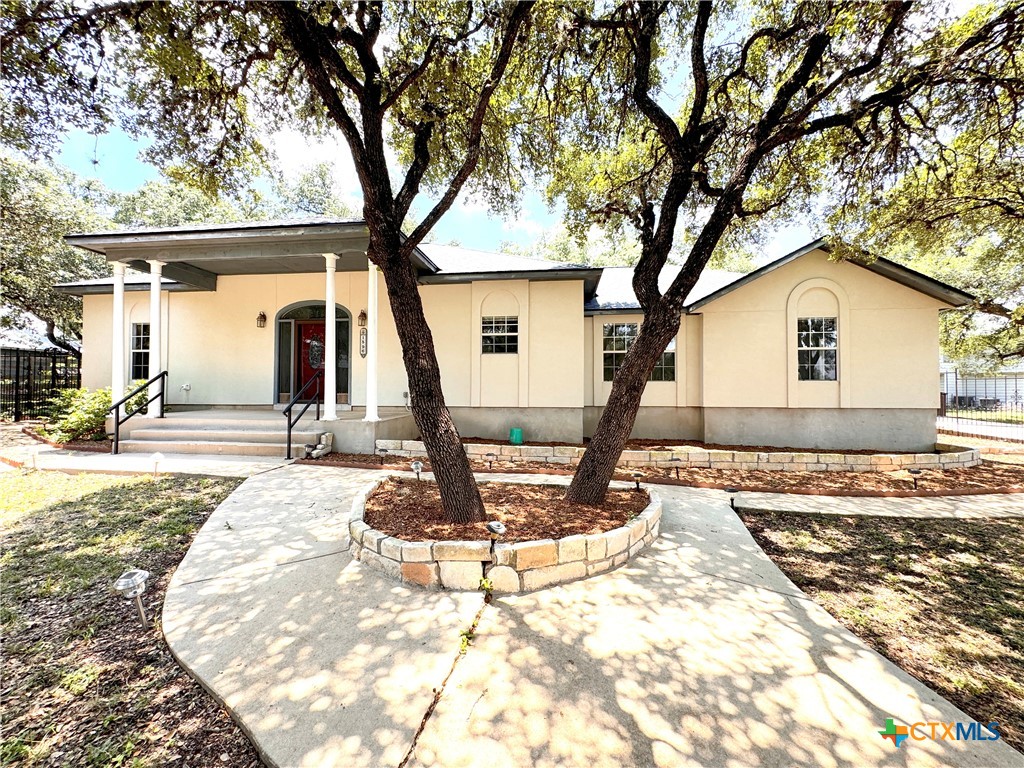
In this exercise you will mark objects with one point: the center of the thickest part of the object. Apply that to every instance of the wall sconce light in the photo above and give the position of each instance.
(261, 320)
(361, 320)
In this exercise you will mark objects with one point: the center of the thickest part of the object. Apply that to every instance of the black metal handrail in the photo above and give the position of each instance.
(116, 407)
(292, 403)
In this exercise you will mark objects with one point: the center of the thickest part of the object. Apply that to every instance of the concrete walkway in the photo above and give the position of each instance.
(698, 653)
(940, 507)
(36, 455)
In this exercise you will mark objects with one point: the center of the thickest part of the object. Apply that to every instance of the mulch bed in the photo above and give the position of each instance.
(988, 477)
(667, 443)
(411, 510)
(92, 446)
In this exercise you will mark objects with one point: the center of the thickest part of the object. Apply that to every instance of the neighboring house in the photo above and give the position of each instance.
(803, 352)
(995, 390)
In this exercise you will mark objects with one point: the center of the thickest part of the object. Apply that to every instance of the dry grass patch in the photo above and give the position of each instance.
(82, 684)
(943, 599)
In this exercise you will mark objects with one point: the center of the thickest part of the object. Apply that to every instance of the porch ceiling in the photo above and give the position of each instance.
(197, 254)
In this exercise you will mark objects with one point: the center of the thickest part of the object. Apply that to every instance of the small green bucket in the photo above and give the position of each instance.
(515, 436)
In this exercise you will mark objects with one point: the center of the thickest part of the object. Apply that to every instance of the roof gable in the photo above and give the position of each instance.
(890, 270)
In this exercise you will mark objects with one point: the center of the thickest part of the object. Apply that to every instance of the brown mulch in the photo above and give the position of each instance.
(411, 510)
(988, 476)
(667, 443)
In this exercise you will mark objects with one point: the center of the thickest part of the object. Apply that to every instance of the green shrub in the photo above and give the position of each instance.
(139, 399)
(78, 414)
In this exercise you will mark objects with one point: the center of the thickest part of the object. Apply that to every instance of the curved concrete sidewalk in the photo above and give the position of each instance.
(977, 507)
(698, 653)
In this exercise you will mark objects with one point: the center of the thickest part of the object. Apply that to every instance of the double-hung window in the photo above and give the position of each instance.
(618, 338)
(500, 335)
(140, 351)
(817, 342)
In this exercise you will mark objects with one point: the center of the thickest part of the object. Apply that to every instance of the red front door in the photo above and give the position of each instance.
(311, 353)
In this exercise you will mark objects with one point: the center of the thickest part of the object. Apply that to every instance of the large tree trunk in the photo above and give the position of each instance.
(590, 483)
(460, 496)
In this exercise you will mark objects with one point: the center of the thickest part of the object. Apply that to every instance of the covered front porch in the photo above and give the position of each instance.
(248, 315)
(260, 431)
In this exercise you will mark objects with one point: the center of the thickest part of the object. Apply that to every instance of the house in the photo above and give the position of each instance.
(804, 352)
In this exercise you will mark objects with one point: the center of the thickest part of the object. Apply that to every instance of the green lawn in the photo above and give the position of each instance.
(944, 599)
(82, 684)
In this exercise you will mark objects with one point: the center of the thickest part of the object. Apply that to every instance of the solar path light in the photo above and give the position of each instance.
(490, 460)
(676, 460)
(383, 452)
(496, 528)
(914, 474)
(157, 458)
(732, 497)
(637, 477)
(417, 467)
(131, 584)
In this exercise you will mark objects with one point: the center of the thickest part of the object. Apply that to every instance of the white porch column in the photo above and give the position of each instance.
(371, 345)
(117, 349)
(155, 331)
(330, 343)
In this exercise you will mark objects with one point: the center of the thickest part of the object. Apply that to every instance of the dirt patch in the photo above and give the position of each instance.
(940, 598)
(411, 510)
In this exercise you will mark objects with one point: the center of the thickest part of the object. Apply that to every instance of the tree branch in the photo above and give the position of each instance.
(519, 14)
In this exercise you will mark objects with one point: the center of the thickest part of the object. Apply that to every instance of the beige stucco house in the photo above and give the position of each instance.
(804, 352)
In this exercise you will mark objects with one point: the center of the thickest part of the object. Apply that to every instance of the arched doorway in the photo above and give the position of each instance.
(300, 348)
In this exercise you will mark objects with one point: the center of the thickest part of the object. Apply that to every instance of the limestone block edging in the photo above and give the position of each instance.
(520, 567)
(686, 457)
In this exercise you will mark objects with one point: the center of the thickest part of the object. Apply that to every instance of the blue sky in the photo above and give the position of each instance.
(114, 158)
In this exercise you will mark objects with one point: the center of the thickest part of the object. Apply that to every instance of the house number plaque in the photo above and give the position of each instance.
(362, 342)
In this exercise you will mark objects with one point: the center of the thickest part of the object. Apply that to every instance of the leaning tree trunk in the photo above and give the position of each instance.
(590, 483)
(460, 496)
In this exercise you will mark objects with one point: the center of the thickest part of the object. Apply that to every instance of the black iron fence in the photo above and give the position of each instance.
(30, 378)
(982, 406)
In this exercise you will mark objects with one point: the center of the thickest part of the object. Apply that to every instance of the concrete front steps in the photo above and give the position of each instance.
(229, 435)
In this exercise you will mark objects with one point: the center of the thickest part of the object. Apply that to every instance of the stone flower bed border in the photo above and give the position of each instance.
(520, 567)
(949, 457)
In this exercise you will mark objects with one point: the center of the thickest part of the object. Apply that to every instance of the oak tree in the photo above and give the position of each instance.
(429, 97)
(778, 103)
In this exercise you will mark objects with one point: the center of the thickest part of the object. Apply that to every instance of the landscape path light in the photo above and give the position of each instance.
(732, 497)
(676, 460)
(131, 584)
(496, 528)
(383, 452)
(637, 477)
(490, 460)
(417, 467)
(157, 458)
(914, 474)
